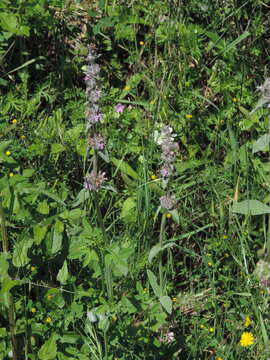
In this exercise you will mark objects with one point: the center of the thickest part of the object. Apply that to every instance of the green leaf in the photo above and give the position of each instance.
(153, 282)
(156, 249)
(125, 168)
(39, 233)
(63, 274)
(4, 266)
(20, 257)
(166, 302)
(43, 208)
(262, 144)
(57, 148)
(49, 348)
(128, 208)
(237, 41)
(56, 242)
(250, 207)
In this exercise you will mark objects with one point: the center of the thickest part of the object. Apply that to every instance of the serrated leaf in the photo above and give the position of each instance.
(166, 302)
(262, 144)
(250, 207)
(20, 257)
(62, 275)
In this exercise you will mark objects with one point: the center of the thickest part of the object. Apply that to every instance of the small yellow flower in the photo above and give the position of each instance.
(210, 263)
(234, 99)
(141, 43)
(152, 102)
(168, 216)
(227, 255)
(33, 268)
(189, 116)
(11, 174)
(262, 292)
(127, 88)
(8, 153)
(174, 299)
(202, 326)
(48, 320)
(22, 137)
(211, 330)
(219, 358)
(225, 237)
(247, 322)
(14, 121)
(33, 310)
(246, 339)
(153, 177)
(49, 297)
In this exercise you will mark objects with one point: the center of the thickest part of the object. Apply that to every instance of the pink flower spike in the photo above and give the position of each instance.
(119, 108)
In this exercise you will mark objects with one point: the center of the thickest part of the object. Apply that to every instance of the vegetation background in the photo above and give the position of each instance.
(111, 274)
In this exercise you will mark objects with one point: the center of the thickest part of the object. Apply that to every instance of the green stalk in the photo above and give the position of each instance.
(11, 307)
(268, 230)
(161, 237)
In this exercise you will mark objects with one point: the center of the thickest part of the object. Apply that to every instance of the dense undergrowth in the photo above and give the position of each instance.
(94, 269)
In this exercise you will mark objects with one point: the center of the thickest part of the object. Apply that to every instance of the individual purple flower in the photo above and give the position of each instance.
(97, 142)
(119, 108)
(94, 181)
(93, 115)
(167, 202)
(167, 170)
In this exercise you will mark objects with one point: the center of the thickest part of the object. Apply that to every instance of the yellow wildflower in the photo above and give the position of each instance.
(8, 153)
(210, 263)
(234, 99)
(127, 88)
(153, 177)
(226, 255)
(49, 297)
(22, 137)
(11, 174)
(141, 43)
(145, 290)
(202, 326)
(189, 116)
(174, 299)
(225, 237)
(48, 320)
(246, 339)
(33, 310)
(247, 322)
(219, 358)
(211, 330)
(14, 121)
(33, 268)
(168, 216)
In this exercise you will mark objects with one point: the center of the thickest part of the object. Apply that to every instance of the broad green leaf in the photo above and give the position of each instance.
(49, 348)
(250, 207)
(57, 148)
(8, 284)
(63, 274)
(166, 302)
(56, 242)
(128, 208)
(262, 144)
(43, 208)
(125, 168)
(153, 282)
(59, 226)
(39, 233)
(28, 172)
(156, 249)
(20, 257)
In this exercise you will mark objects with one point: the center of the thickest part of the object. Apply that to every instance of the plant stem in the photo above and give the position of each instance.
(161, 237)
(268, 230)
(11, 307)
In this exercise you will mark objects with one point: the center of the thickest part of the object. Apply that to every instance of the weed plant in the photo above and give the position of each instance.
(134, 180)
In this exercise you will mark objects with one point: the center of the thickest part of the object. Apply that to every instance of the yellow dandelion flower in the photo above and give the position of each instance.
(14, 121)
(227, 255)
(174, 299)
(202, 326)
(8, 153)
(210, 263)
(153, 177)
(211, 330)
(141, 43)
(11, 174)
(168, 216)
(225, 237)
(234, 99)
(247, 322)
(48, 320)
(219, 358)
(127, 88)
(33, 268)
(246, 339)
(189, 116)
(22, 137)
(33, 310)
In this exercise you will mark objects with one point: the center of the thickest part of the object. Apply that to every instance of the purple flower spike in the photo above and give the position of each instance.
(97, 142)
(94, 181)
(167, 202)
(119, 108)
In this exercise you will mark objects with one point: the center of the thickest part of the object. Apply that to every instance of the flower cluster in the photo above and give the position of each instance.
(93, 92)
(169, 148)
(95, 179)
